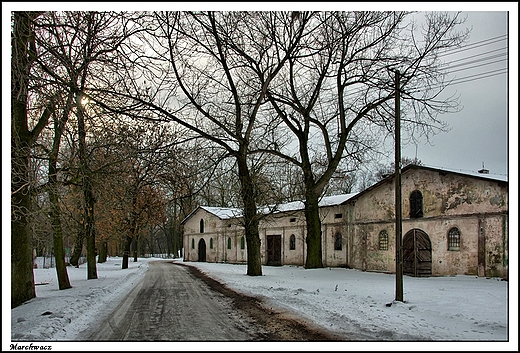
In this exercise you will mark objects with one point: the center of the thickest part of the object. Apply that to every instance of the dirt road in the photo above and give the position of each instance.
(175, 302)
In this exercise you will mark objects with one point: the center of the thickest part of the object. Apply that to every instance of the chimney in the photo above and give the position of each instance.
(483, 170)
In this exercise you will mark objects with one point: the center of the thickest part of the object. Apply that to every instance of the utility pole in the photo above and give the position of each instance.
(398, 212)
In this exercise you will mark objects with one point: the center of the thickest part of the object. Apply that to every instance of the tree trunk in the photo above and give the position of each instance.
(136, 244)
(312, 217)
(254, 261)
(55, 213)
(22, 276)
(89, 200)
(77, 249)
(103, 252)
(126, 252)
(312, 214)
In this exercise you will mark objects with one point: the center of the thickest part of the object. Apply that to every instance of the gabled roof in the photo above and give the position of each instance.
(224, 212)
(230, 212)
(500, 179)
(220, 212)
(325, 201)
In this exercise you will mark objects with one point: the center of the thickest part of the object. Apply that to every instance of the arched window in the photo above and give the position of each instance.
(211, 243)
(242, 243)
(229, 243)
(338, 242)
(192, 243)
(416, 204)
(454, 239)
(292, 242)
(383, 240)
(201, 226)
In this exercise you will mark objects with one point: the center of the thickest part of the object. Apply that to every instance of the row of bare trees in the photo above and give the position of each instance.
(135, 113)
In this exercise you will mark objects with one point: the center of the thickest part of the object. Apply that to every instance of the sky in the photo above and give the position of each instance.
(455, 312)
(479, 132)
(484, 132)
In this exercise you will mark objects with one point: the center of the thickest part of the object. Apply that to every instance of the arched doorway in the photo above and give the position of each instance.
(417, 254)
(202, 250)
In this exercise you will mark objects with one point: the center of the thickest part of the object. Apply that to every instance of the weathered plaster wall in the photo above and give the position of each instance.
(477, 207)
(472, 205)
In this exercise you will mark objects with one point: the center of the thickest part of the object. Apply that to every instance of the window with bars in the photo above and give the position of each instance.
(383, 240)
(454, 239)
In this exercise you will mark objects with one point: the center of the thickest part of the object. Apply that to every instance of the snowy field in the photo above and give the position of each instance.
(453, 313)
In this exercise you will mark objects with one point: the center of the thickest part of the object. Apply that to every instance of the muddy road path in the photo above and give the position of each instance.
(175, 302)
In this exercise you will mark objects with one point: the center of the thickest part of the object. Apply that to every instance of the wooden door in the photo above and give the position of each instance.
(417, 254)
(274, 250)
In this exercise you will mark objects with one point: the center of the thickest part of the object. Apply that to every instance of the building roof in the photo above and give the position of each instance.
(326, 201)
(223, 212)
(501, 179)
(230, 212)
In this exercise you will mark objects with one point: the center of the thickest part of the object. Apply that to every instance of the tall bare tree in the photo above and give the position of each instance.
(210, 74)
(25, 129)
(85, 45)
(335, 94)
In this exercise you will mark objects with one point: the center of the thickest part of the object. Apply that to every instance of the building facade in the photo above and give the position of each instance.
(452, 223)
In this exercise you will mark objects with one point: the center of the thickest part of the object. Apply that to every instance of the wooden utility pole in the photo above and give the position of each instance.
(398, 213)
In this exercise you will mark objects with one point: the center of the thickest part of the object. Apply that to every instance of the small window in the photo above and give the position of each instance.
(229, 243)
(242, 243)
(292, 242)
(454, 239)
(201, 226)
(211, 243)
(338, 215)
(292, 220)
(193, 243)
(338, 242)
(383, 240)
(416, 204)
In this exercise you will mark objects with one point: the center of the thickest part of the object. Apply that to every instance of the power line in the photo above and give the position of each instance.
(476, 66)
(477, 55)
(480, 76)
(475, 45)
(468, 65)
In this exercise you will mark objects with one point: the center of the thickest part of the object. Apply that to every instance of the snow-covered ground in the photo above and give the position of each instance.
(454, 313)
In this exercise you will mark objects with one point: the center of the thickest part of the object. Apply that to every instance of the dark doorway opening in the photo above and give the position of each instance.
(274, 250)
(202, 250)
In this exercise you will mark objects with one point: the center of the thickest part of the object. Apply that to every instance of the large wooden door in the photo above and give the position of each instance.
(274, 250)
(417, 254)
(202, 250)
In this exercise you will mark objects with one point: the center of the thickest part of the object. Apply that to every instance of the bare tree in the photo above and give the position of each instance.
(209, 73)
(336, 92)
(53, 187)
(85, 44)
(25, 129)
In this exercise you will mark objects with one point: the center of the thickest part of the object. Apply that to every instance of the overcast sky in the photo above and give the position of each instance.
(482, 133)
(479, 132)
